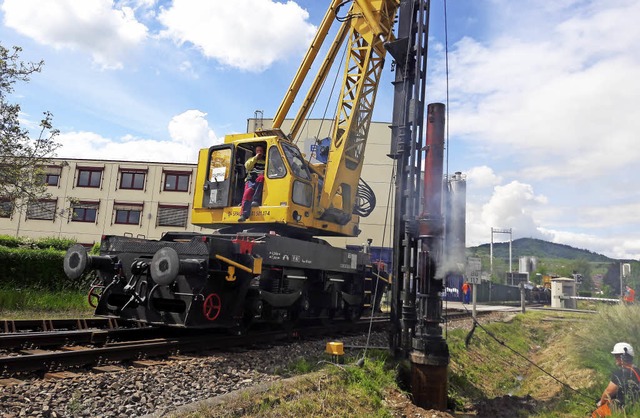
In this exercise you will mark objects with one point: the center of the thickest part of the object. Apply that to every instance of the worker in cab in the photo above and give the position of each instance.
(254, 181)
(624, 385)
(629, 296)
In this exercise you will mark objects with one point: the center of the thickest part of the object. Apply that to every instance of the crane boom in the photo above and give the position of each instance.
(305, 66)
(371, 26)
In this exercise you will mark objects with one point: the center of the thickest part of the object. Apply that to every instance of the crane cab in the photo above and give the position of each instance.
(290, 191)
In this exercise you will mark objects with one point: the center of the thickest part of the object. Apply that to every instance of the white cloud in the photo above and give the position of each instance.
(547, 100)
(245, 34)
(512, 206)
(482, 177)
(186, 67)
(191, 129)
(561, 105)
(189, 133)
(92, 26)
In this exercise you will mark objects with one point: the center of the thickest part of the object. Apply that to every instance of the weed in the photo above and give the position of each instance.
(75, 405)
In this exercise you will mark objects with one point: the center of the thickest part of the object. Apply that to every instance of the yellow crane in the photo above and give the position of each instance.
(300, 198)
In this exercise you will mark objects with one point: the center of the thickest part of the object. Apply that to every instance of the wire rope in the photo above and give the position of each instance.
(502, 343)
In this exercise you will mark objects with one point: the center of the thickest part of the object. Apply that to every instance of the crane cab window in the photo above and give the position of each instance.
(276, 168)
(296, 162)
(219, 165)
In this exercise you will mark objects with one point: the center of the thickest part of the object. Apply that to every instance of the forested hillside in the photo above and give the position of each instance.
(537, 248)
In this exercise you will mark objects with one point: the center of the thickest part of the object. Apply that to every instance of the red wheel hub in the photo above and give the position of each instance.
(212, 307)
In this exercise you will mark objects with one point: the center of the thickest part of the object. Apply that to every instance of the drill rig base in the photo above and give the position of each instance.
(429, 385)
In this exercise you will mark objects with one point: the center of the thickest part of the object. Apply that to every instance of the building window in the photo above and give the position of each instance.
(51, 175)
(89, 177)
(6, 208)
(177, 181)
(42, 209)
(132, 180)
(128, 213)
(172, 215)
(51, 179)
(85, 212)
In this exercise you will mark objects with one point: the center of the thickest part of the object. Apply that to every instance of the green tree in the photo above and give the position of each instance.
(23, 156)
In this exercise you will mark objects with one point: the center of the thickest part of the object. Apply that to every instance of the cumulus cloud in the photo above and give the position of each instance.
(245, 34)
(513, 205)
(548, 99)
(92, 26)
(482, 177)
(561, 100)
(189, 133)
(191, 129)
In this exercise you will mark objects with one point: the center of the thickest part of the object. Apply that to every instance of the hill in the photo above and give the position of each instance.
(537, 248)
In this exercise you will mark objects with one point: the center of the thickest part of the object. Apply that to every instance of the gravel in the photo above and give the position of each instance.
(162, 387)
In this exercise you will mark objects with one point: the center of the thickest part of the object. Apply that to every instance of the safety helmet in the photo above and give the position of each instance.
(623, 348)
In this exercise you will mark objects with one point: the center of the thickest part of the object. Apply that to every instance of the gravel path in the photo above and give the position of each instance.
(133, 391)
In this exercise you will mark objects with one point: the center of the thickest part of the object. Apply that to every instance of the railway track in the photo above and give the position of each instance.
(26, 325)
(40, 346)
(51, 351)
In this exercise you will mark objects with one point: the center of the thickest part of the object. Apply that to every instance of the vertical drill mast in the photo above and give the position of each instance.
(417, 237)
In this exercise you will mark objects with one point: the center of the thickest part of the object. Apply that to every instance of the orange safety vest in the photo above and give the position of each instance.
(630, 297)
(602, 411)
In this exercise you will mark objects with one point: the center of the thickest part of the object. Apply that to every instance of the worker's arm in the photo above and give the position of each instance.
(251, 162)
(608, 393)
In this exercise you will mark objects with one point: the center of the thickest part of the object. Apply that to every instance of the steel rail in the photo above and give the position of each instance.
(128, 351)
(97, 337)
(21, 325)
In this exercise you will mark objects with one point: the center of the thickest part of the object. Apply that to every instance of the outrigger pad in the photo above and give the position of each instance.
(75, 261)
(165, 266)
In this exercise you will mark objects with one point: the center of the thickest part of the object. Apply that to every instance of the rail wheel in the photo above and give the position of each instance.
(93, 297)
(212, 307)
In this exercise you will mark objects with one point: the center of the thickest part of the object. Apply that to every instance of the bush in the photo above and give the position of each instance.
(594, 339)
(95, 249)
(24, 268)
(60, 244)
(10, 242)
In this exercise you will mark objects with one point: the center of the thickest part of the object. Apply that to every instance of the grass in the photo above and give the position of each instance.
(39, 304)
(335, 391)
(494, 369)
(573, 348)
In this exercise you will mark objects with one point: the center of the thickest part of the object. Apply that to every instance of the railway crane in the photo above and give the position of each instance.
(271, 266)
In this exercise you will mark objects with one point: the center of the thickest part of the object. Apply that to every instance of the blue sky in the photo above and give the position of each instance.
(543, 96)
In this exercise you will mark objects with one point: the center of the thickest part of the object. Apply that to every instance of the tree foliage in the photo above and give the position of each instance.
(23, 156)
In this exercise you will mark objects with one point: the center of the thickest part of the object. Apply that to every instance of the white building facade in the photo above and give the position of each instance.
(91, 198)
